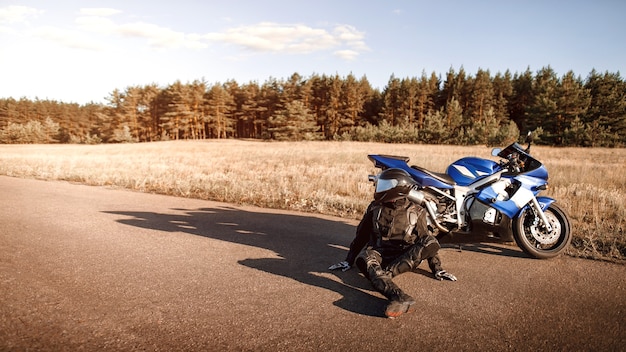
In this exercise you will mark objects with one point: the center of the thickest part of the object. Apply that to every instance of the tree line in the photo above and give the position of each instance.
(456, 109)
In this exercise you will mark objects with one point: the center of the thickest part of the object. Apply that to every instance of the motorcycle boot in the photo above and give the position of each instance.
(411, 259)
(399, 304)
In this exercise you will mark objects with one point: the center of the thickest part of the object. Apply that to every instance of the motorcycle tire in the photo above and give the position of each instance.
(536, 241)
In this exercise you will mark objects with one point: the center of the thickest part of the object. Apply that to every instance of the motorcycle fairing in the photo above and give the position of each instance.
(537, 176)
(545, 202)
(468, 170)
(513, 205)
(498, 224)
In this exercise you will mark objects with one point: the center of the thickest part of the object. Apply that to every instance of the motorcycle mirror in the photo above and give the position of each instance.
(495, 151)
(529, 139)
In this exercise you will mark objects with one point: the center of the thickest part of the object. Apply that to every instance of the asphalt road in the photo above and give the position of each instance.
(91, 268)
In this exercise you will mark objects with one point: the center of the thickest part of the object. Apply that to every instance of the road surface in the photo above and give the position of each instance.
(97, 269)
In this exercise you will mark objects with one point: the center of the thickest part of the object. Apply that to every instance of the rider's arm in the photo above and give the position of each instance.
(363, 235)
(435, 265)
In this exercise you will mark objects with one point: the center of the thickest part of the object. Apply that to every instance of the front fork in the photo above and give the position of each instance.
(535, 204)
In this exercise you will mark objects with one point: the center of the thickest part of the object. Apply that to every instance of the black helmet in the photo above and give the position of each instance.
(393, 184)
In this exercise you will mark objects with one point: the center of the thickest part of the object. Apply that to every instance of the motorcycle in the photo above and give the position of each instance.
(497, 201)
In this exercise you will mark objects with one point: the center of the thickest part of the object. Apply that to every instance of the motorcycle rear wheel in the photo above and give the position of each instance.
(533, 238)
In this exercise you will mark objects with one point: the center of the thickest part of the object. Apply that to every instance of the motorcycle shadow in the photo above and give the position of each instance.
(494, 248)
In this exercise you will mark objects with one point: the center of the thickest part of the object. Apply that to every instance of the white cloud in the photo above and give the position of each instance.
(67, 38)
(99, 11)
(348, 33)
(160, 37)
(348, 55)
(96, 24)
(145, 30)
(293, 39)
(352, 37)
(157, 36)
(17, 14)
(7, 30)
(274, 37)
(94, 27)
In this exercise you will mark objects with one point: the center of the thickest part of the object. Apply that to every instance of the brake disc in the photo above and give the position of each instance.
(541, 235)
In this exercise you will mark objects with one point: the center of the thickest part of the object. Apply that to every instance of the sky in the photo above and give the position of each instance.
(80, 51)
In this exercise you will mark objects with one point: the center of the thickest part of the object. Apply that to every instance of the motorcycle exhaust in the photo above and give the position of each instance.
(416, 197)
(419, 198)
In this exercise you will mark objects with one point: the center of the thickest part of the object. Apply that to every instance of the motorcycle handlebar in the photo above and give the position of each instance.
(513, 163)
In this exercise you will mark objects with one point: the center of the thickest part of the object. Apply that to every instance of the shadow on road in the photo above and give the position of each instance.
(306, 245)
(495, 248)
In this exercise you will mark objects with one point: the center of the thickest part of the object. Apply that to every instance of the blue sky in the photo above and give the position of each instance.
(80, 51)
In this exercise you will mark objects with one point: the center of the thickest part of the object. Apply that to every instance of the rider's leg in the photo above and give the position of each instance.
(426, 248)
(369, 262)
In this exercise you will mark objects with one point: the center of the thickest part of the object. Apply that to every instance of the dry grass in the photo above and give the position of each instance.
(322, 177)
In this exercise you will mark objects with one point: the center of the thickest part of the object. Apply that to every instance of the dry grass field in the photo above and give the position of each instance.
(323, 177)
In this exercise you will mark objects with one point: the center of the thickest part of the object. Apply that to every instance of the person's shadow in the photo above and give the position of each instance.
(306, 245)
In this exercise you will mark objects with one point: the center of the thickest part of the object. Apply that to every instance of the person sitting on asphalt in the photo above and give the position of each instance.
(393, 238)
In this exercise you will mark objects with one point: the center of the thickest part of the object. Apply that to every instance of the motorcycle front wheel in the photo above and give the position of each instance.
(533, 238)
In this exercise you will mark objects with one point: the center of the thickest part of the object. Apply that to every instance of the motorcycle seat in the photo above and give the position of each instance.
(445, 178)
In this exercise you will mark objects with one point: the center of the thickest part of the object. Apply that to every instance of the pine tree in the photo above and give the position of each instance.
(408, 96)
(481, 97)
(268, 102)
(8, 112)
(353, 98)
(175, 119)
(572, 103)
(434, 130)
(115, 117)
(502, 92)
(130, 108)
(319, 100)
(608, 104)
(521, 99)
(427, 96)
(241, 118)
(219, 105)
(148, 108)
(251, 117)
(542, 111)
(454, 123)
(392, 102)
(333, 108)
(293, 123)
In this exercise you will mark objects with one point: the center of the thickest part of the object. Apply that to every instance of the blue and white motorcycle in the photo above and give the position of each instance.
(494, 200)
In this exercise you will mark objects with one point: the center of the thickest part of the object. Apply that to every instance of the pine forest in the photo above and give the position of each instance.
(459, 108)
